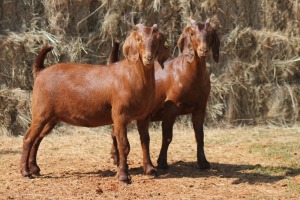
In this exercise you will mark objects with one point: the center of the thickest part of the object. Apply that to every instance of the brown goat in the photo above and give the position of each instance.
(164, 54)
(90, 96)
(183, 87)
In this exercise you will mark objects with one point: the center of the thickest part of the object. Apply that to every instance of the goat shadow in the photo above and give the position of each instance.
(250, 174)
(243, 173)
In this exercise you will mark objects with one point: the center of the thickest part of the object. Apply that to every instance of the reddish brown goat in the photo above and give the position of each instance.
(164, 54)
(90, 96)
(183, 87)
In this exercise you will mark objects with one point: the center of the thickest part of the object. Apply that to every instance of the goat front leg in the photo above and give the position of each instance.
(198, 120)
(168, 121)
(143, 128)
(120, 131)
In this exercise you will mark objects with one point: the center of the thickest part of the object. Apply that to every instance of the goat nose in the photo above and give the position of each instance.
(204, 50)
(148, 58)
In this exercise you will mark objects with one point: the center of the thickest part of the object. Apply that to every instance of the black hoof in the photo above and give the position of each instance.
(204, 165)
(163, 166)
(29, 176)
(35, 171)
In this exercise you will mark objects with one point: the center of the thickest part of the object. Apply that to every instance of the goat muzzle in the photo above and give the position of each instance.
(148, 59)
(202, 52)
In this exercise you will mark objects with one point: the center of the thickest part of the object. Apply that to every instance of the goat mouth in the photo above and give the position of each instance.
(202, 55)
(146, 62)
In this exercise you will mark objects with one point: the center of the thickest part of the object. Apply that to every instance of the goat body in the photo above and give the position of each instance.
(91, 95)
(83, 95)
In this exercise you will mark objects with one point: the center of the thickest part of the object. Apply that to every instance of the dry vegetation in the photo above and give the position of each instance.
(255, 82)
(247, 163)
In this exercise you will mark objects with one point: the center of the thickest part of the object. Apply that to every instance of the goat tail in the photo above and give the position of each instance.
(39, 61)
(114, 54)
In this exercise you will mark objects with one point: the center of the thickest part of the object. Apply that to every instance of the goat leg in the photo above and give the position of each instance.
(198, 120)
(143, 128)
(114, 150)
(28, 141)
(168, 121)
(32, 163)
(120, 131)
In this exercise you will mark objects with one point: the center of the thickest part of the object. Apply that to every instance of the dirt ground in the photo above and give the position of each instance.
(247, 163)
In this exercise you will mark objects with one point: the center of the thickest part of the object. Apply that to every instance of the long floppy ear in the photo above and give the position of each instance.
(130, 50)
(163, 52)
(186, 47)
(215, 46)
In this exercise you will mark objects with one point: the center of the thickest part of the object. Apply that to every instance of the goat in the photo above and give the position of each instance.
(91, 96)
(183, 86)
(164, 54)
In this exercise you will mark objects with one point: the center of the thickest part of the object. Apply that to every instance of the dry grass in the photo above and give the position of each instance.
(247, 163)
(15, 111)
(255, 82)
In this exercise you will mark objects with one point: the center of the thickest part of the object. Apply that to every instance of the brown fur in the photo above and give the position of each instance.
(183, 87)
(90, 96)
(163, 55)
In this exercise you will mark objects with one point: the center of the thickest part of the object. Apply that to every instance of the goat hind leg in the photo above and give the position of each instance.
(33, 167)
(114, 150)
(28, 141)
(168, 121)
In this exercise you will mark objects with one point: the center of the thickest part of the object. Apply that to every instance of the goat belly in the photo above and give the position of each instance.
(187, 110)
(88, 121)
(87, 115)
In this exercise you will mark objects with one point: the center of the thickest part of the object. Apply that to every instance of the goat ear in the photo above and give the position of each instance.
(163, 52)
(180, 42)
(186, 47)
(215, 46)
(130, 50)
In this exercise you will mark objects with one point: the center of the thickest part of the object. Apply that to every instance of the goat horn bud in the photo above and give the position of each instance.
(207, 23)
(193, 22)
(155, 28)
(135, 27)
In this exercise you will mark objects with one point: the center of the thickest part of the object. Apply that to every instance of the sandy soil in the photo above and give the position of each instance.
(75, 164)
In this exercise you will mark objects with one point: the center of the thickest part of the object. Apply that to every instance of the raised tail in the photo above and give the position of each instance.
(114, 54)
(39, 61)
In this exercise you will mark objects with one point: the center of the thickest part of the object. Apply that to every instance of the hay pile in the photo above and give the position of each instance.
(15, 115)
(255, 82)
